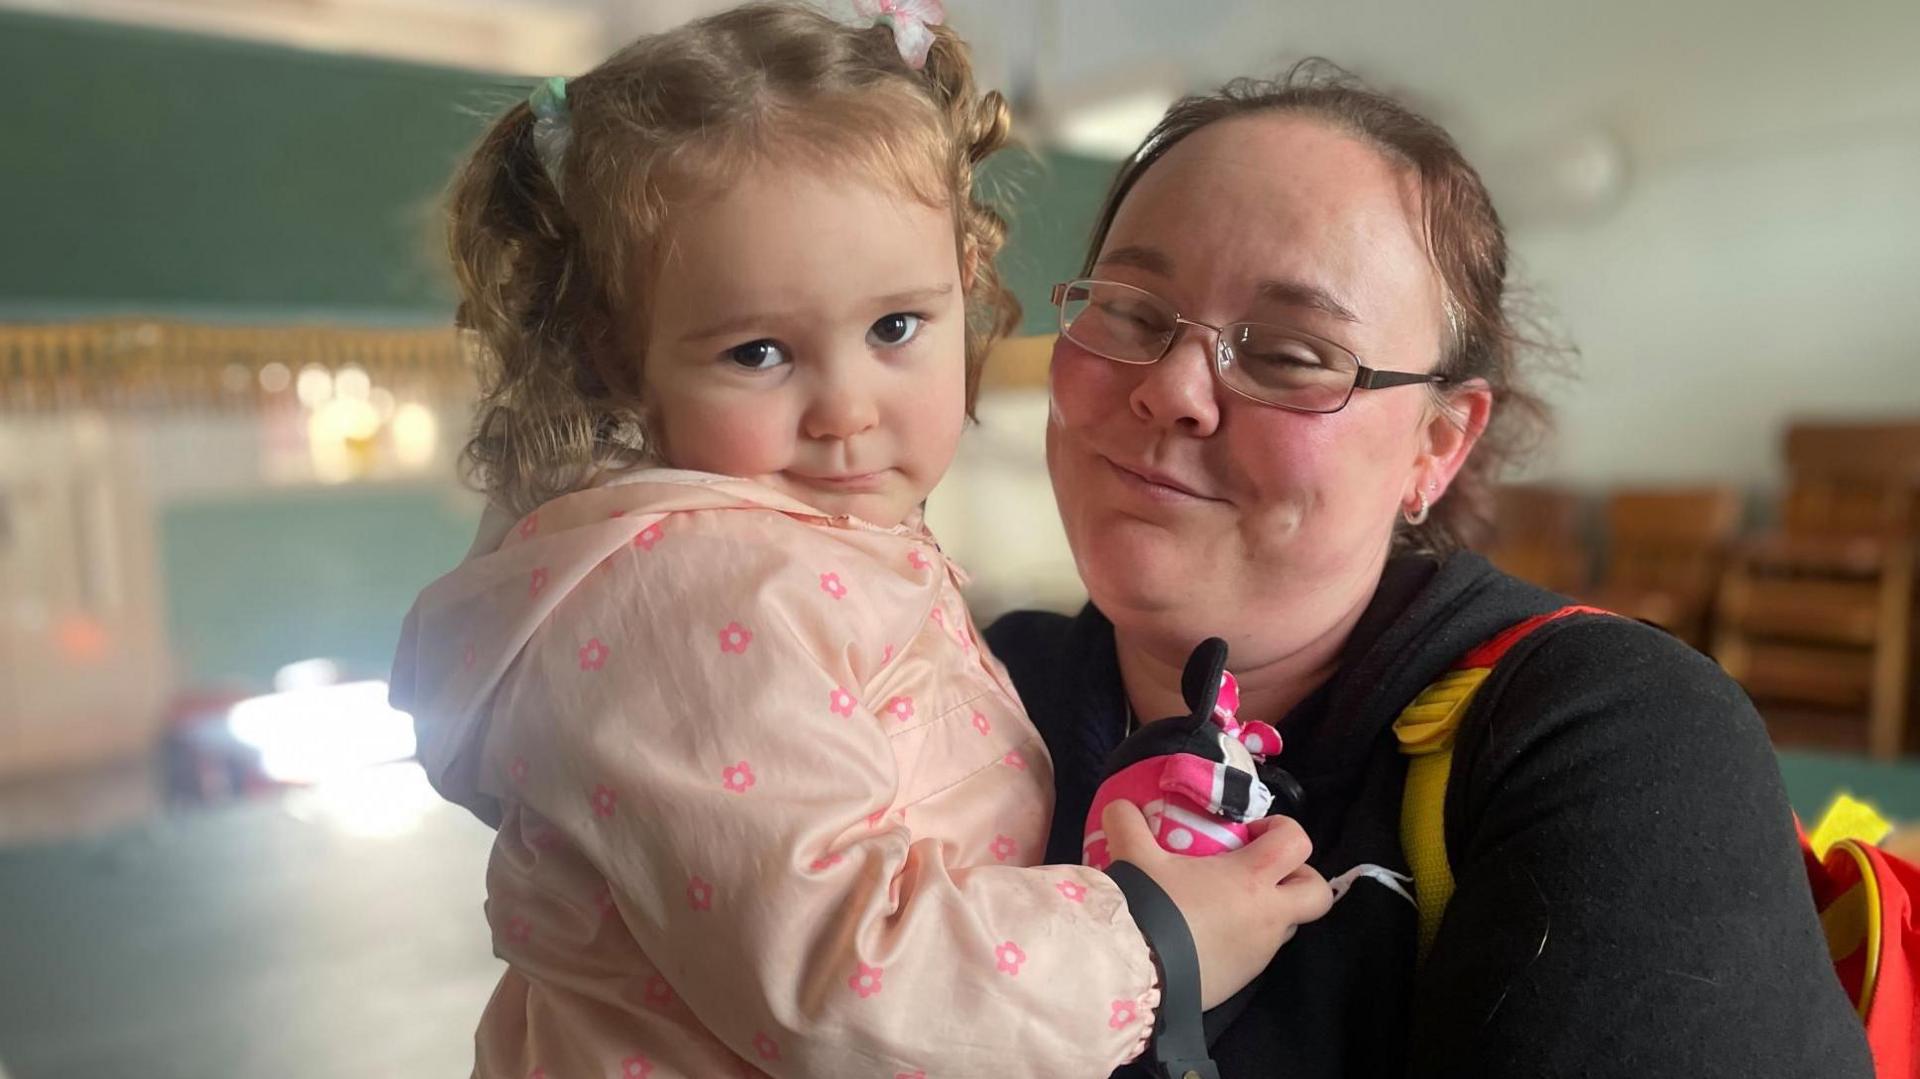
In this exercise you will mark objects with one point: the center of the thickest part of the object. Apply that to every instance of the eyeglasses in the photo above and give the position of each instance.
(1269, 364)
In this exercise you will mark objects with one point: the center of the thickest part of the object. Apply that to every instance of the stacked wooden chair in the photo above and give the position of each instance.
(1816, 617)
(1539, 536)
(1664, 553)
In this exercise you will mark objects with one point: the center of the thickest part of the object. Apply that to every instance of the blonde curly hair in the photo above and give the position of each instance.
(553, 270)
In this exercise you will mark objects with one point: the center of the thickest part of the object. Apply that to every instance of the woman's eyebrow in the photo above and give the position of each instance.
(1302, 294)
(1292, 293)
(1150, 259)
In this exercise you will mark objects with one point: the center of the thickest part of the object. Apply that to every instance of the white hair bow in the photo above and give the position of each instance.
(910, 21)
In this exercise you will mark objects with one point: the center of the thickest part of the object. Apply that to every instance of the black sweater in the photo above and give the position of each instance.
(1629, 896)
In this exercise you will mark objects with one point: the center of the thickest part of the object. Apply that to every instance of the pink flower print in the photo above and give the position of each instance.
(865, 980)
(537, 583)
(537, 1073)
(529, 526)
(1009, 957)
(593, 655)
(1072, 890)
(519, 929)
(1123, 1015)
(658, 994)
(636, 1067)
(738, 777)
(886, 656)
(830, 584)
(603, 801)
(603, 903)
(1004, 847)
(616, 513)
(939, 617)
(1014, 760)
(735, 638)
(467, 657)
(841, 702)
(766, 1047)
(874, 818)
(517, 771)
(917, 560)
(981, 723)
(648, 536)
(699, 894)
(900, 708)
(825, 862)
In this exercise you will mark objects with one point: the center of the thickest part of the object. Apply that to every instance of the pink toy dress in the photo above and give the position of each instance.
(1202, 779)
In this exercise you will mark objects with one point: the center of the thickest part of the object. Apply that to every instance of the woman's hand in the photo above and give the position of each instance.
(1240, 906)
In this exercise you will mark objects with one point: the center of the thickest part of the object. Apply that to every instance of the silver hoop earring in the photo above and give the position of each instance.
(1418, 517)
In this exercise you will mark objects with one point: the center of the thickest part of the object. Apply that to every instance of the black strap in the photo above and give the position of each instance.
(1179, 1049)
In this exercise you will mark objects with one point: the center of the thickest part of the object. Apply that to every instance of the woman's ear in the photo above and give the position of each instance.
(1452, 428)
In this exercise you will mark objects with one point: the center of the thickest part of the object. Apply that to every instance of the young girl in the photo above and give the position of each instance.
(763, 803)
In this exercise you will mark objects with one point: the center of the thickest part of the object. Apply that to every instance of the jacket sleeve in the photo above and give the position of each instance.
(703, 741)
(1629, 897)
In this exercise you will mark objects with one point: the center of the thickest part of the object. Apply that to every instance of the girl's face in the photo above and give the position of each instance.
(810, 334)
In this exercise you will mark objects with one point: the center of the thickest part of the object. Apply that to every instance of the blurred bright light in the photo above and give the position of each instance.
(415, 433)
(352, 383)
(306, 674)
(314, 385)
(379, 802)
(322, 732)
(1113, 128)
(275, 377)
(340, 435)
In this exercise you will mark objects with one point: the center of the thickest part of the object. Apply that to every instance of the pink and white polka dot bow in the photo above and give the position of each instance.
(1261, 739)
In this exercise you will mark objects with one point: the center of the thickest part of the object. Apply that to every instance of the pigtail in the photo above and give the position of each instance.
(540, 424)
(981, 126)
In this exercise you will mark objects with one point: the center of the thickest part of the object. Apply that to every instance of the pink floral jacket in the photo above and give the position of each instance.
(763, 804)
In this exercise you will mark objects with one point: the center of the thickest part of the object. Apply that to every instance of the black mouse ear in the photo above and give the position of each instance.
(1200, 682)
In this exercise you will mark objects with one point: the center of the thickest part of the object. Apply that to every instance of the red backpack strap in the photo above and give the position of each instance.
(1494, 650)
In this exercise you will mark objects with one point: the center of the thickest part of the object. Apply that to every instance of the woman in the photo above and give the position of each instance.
(1279, 402)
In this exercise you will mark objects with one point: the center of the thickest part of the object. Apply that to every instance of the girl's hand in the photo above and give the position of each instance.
(1240, 906)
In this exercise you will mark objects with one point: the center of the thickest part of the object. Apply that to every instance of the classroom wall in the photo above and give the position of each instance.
(163, 173)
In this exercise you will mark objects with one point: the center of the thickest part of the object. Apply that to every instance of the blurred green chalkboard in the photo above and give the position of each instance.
(147, 171)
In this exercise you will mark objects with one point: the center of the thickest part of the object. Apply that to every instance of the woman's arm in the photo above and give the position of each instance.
(1629, 894)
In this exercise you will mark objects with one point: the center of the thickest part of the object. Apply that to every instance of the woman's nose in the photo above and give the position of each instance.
(1178, 391)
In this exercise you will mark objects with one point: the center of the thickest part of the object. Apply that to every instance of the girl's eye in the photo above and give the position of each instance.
(895, 329)
(760, 355)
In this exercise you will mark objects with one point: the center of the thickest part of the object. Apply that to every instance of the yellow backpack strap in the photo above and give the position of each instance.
(1426, 730)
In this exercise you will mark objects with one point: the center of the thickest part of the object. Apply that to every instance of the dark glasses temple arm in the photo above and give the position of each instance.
(1370, 379)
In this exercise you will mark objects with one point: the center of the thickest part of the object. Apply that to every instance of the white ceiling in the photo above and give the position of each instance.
(1665, 81)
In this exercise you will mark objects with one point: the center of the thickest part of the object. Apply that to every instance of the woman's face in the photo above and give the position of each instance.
(1193, 511)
